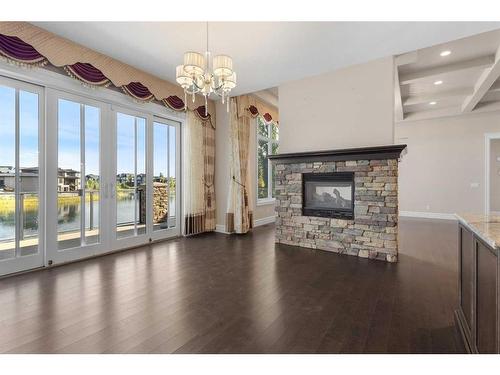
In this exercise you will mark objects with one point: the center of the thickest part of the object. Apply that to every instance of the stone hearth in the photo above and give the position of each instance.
(373, 233)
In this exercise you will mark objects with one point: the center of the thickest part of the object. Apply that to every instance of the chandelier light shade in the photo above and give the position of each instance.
(223, 66)
(194, 63)
(230, 82)
(183, 78)
(201, 74)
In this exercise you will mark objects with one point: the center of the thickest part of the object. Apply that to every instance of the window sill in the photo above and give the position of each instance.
(266, 201)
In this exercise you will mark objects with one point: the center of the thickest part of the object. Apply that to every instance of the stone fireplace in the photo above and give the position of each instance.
(344, 201)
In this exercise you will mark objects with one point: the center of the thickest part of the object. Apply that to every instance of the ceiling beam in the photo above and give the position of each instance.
(483, 84)
(491, 96)
(425, 98)
(425, 74)
(449, 112)
(406, 58)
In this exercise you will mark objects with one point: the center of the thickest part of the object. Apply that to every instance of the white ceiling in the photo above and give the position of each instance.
(470, 77)
(265, 54)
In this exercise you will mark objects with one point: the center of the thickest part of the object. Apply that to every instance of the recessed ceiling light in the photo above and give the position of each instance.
(444, 53)
(438, 82)
(432, 103)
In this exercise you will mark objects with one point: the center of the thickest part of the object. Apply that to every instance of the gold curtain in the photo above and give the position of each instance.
(198, 174)
(239, 216)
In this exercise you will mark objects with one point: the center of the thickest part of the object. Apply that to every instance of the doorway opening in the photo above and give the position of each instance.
(492, 173)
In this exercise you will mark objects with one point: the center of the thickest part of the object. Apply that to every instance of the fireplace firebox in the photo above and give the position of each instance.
(328, 195)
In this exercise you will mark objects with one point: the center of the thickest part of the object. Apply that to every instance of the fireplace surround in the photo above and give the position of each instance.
(370, 231)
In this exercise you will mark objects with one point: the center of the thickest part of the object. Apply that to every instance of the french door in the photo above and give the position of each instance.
(77, 194)
(145, 191)
(21, 176)
(85, 179)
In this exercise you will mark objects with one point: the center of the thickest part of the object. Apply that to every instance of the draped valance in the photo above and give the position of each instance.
(249, 105)
(25, 44)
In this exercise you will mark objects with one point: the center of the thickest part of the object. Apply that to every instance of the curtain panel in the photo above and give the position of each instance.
(239, 216)
(24, 44)
(198, 173)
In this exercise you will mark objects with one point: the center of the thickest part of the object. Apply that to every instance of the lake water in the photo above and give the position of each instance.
(68, 217)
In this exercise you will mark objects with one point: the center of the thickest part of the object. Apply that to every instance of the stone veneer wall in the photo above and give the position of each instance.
(374, 231)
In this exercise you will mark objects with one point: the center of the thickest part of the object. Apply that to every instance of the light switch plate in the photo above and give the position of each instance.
(474, 185)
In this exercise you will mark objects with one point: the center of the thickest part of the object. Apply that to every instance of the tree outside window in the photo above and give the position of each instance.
(267, 144)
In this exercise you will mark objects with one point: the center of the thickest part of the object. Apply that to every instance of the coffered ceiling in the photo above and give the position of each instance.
(448, 79)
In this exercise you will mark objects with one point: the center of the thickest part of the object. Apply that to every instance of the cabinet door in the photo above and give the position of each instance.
(466, 267)
(486, 337)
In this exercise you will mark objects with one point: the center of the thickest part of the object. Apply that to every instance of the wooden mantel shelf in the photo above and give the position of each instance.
(361, 153)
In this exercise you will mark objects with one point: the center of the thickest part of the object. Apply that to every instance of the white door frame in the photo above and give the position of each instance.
(488, 137)
(175, 231)
(54, 255)
(136, 240)
(21, 263)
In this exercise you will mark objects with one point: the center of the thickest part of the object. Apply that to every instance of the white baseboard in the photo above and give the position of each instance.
(221, 228)
(264, 221)
(428, 215)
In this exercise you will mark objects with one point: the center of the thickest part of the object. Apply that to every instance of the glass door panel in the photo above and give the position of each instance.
(20, 207)
(8, 204)
(164, 176)
(131, 192)
(28, 173)
(78, 188)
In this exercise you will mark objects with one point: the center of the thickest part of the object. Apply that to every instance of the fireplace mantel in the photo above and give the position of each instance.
(360, 153)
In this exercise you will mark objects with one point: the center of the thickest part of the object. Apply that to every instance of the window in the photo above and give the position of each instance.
(267, 144)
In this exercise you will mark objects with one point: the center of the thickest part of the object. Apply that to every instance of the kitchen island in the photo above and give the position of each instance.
(478, 311)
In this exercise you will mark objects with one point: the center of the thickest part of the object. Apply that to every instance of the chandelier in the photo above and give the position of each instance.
(202, 74)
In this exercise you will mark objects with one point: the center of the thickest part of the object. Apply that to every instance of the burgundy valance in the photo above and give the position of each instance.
(175, 103)
(87, 74)
(254, 111)
(200, 111)
(18, 51)
(138, 91)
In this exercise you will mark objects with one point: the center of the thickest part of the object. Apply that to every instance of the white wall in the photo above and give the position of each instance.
(445, 159)
(222, 167)
(351, 107)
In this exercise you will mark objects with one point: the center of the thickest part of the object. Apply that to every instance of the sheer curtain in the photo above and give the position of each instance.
(198, 174)
(239, 216)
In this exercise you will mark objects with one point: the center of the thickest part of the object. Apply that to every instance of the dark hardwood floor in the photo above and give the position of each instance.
(240, 294)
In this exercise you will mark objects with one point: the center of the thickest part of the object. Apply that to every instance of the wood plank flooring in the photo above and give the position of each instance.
(241, 294)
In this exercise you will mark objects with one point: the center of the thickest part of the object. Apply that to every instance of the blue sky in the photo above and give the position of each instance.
(69, 137)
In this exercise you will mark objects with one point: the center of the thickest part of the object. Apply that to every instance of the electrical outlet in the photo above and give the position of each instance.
(427, 207)
(474, 185)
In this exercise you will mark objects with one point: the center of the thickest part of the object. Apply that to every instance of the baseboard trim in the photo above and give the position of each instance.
(264, 221)
(428, 215)
(221, 228)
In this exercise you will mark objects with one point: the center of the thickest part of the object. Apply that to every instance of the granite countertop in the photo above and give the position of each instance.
(486, 227)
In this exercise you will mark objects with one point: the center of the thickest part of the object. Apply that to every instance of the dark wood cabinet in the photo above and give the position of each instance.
(486, 309)
(466, 271)
(479, 288)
